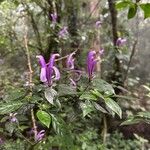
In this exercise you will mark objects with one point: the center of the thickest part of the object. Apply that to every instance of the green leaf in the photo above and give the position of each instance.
(63, 130)
(98, 107)
(9, 107)
(103, 86)
(10, 127)
(146, 9)
(132, 11)
(50, 95)
(64, 89)
(44, 117)
(122, 4)
(131, 121)
(88, 96)
(86, 107)
(144, 115)
(113, 106)
(97, 93)
(146, 87)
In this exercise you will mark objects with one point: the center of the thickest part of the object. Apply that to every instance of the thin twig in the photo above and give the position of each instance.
(64, 57)
(92, 12)
(30, 81)
(131, 56)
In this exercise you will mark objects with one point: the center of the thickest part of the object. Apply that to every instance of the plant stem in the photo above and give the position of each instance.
(104, 129)
(30, 81)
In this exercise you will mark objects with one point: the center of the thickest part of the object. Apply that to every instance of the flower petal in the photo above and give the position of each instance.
(70, 61)
(49, 71)
(43, 75)
(41, 61)
(57, 73)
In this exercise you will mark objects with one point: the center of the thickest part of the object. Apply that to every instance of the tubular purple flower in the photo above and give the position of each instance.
(121, 41)
(48, 71)
(40, 135)
(63, 32)
(43, 68)
(50, 68)
(70, 61)
(91, 63)
(98, 23)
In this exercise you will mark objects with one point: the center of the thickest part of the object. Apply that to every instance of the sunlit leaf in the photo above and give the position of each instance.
(44, 117)
(146, 9)
(122, 4)
(50, 95)
(86, 107)
(113, 106)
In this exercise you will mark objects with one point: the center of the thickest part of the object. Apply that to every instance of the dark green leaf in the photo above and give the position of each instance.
(146, 9)
(88, 96)
(103, 86)
(98, 107)
(9, 107)
(132, 11)
(64, 89)
(44, 117)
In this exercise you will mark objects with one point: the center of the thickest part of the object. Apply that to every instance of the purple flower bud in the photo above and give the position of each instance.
(70, 61)
(40, 135)
(101, 51)
(121, 42)
(54, 17)
(63, 32)
(13, 117)
(91, 63)
(98, 24)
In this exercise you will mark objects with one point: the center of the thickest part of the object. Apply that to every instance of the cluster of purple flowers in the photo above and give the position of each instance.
(49, 71)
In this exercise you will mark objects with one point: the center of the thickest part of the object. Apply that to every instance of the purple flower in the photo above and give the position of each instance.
(1, 141)
(101, 51)
(54, 18)
(121, 41)
(70, 61)
(48, 71)
(13, 117)
(40, 135)
(98, 24)
(91, 63)
(63, 32)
